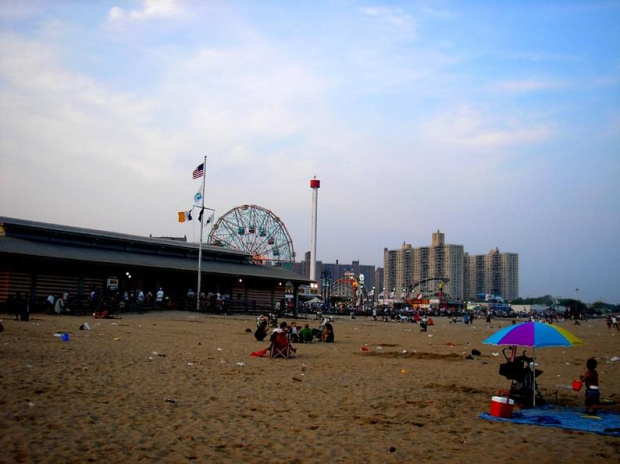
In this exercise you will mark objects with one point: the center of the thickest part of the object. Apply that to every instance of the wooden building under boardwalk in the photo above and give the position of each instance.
(39, 259)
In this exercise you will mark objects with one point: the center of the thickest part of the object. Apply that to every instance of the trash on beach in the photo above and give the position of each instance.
(614, 358)
(450, 344)
(117, 339)
(240, 364)
(404, 371)
(170, 400)
(495, 354)
(379, 348)
(404, 352)
(297, 379)
(85, 326)
(430, 335)
(365, 349)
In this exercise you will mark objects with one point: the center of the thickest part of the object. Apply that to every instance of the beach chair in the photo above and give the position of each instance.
(280, 346)
(517, 369)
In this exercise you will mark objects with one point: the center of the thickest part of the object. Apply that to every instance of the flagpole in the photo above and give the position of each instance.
(201, 232)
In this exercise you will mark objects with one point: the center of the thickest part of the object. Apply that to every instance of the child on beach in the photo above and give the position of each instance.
(590, 379)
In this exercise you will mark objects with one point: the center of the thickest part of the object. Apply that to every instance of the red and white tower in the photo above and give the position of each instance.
(315, 184)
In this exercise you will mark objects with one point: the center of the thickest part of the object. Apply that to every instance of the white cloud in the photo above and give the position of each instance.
(528, 85)
(438, 13)
(469, 128)
(541, 56)
(13, 9)
(151, 9)
(393, 16)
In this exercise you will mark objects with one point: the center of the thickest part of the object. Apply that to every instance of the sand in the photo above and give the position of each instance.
(182, 387)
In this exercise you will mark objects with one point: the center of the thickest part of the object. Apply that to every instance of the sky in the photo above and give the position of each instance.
(497, 123)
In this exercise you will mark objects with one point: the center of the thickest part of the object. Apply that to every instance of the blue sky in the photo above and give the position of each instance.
(496, 122)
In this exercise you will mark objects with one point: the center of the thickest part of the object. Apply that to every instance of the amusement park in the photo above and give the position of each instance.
(350, 295)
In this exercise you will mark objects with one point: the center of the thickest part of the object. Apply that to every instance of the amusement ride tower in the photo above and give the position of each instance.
(315, 184)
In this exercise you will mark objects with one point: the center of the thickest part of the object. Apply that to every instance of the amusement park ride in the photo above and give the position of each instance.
(349, 288)
(258, 232)
(427, 293)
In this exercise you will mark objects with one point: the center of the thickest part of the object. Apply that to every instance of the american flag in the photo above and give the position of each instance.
(199, 171)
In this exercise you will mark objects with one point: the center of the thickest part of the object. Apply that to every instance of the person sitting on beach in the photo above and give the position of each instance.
(261, 328)
(328, 333)
(59, 306)
(305, 334)
(590, 379)
(293, 334)
(280, 345)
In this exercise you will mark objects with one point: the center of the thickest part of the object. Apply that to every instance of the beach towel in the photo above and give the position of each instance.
(604, 423)
(260, 353)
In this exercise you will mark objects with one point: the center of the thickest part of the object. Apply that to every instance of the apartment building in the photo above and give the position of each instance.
(467, 275)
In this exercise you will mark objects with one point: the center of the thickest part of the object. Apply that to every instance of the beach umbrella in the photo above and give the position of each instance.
(534, 335)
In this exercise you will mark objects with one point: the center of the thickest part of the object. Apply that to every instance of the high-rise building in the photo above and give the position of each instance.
(466, 275)
(407, 266)
(494, 273)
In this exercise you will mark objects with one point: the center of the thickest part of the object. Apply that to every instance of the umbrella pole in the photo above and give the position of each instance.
(534, 377)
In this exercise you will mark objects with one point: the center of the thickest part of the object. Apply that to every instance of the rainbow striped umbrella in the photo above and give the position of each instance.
(534, 335)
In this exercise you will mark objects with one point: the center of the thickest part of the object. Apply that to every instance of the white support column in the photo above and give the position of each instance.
(315, 184)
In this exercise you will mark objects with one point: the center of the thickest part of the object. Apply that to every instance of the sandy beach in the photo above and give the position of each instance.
(180, 387)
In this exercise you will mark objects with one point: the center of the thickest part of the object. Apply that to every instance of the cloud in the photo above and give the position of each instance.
(438, 13)
(20, 9)
(528, 85)
(151, 9)
(392, 16)
(470, 128)
(540, 56)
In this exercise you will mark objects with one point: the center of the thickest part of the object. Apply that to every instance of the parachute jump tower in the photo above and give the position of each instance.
(315, 184)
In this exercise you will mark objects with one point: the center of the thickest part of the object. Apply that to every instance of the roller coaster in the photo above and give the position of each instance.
(349, 288)
(438, 284)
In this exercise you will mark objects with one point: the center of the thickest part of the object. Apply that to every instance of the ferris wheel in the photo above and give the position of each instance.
(258, 232)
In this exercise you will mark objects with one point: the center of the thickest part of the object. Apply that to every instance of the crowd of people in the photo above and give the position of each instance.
(294, 333)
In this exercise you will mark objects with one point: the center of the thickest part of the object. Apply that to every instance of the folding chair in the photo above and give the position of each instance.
(280, 346)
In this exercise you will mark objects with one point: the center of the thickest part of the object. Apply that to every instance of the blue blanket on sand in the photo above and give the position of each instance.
(605, 423)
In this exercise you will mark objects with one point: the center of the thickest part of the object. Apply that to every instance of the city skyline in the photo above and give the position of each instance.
(496, 122)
